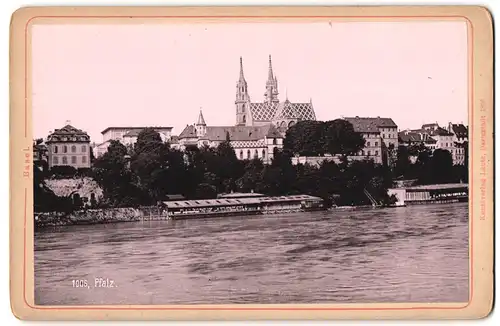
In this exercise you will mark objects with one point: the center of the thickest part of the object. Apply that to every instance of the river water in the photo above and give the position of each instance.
(407, 254)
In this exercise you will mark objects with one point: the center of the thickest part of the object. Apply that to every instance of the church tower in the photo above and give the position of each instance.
(242, 98)
(271, 94)
(200, 126)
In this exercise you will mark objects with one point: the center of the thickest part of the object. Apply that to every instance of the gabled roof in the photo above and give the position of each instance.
(301, 111)
(284, 110)
(460, 130)
(263, 111)
(372, 125)
(68, 133)
(440, 132)
(416, 136)
(236, 133)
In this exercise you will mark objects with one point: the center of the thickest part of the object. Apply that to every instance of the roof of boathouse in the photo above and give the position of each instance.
(221, 202)
(444, 186)
(240, 195)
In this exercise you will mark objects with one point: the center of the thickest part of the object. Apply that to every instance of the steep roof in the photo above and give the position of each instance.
(236, 133)
(416, 136)
(284, 110)
(440, 132)
(460, 130)
(364, 124)
(288, 110)
(68, 133)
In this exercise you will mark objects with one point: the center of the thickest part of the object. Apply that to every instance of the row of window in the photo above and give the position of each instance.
(55, 160)
(368, 144)
(64, 148)
(368, 153)
(255, 154)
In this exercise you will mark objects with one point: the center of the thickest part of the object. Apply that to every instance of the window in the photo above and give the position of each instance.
(376, 152)
(65, 149)
(369, 153)
(248, 154)
(363, 153)
(376, 143)
(84, 159)
(383, 135)
(84, 148)
(274, 141)
(368, 144)
(73, 159)
(263, 153)
(55, 160)
(256, 155)
(64, 160)
(241, 155)
(55, 149)
(73, 149)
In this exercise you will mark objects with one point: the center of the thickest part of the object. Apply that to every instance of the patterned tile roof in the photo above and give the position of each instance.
(302, 111)
(263, 111)
(268, 112)
(371, 125)
(236, 133)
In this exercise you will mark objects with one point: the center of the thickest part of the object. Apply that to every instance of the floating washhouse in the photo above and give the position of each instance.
(240, 205)
(429, 194)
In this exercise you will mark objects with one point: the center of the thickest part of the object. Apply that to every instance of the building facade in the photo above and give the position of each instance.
(127, 136)
(248, 142)
(381, 138)
(68, 146)
(282, 115)
(460, 141)
(432, 136)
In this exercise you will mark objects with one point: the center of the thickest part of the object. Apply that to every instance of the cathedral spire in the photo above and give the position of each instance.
(201, 120)
(270, 75)
(242, 77)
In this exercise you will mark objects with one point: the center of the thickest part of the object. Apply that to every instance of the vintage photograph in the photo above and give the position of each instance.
(251, 163)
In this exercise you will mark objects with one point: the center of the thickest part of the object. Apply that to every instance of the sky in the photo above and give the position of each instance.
(98, 76)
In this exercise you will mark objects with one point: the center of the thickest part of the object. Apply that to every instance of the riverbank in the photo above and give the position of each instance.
(97, 216)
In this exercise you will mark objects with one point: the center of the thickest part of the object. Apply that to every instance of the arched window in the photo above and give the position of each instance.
(291, 124)
(55, 149)
(263, 153)
(84, 148)
(73, 149)
(65, 149)
(241, 154)
(274, 141)
(244, 119)
(256, 154)
(248, 154)
(64, 160)
(73, 159)
(283, 125)
(55, 160)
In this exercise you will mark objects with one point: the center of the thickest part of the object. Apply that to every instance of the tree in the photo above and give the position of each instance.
(340, 138)
(403, 163)
(112, 174)
(156, 168)
(305, 138)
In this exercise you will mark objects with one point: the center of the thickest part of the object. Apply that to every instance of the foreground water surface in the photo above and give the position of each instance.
(407, 254)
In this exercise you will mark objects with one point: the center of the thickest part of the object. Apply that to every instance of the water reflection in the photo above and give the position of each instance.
(408, 254)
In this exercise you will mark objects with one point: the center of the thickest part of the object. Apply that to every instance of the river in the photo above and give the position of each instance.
(406, 254)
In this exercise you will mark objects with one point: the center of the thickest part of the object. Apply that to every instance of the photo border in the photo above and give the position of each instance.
(480, 85)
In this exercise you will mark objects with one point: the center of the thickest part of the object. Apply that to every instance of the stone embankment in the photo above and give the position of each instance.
(97, 216)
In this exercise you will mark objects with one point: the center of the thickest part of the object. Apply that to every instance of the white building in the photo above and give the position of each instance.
(127, 136)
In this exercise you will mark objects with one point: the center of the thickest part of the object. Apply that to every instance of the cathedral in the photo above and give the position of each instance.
(281, 114)
(260, 126)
